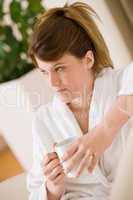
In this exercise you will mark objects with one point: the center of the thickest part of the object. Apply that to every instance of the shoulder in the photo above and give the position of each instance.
(107, 86)
(43, 111)
(109, 78)
(120, 73)
(128, 71)
(126, 86)
(112, 77)
(118, 80)
(111, 72)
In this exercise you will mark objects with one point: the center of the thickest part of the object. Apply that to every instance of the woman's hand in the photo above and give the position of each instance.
(54, 174)
(86, 150)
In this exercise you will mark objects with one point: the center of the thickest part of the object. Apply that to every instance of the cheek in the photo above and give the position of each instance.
(66, 79)
(73, 82)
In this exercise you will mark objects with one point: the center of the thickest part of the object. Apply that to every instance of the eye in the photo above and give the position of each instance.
(44, 72)
(59, 69)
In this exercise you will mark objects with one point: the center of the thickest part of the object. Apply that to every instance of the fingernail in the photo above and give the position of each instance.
(90, 172)
(78, 174)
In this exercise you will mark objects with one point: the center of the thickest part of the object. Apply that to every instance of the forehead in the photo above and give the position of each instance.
(65, 59)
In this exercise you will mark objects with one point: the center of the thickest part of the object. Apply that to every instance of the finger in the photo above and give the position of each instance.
(51, 166)
(59, 179)
(70, 151)
(55, 172)
(48, 158)
(89, 160)
(84, 162)
(76, 159)
(93, 164)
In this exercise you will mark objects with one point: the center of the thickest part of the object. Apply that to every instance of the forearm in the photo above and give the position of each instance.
(51, 196)
(117, 116)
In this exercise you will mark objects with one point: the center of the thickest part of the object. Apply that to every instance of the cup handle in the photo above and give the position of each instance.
(54, 146)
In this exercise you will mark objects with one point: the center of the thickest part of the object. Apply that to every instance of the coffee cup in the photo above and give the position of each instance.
(60, 149)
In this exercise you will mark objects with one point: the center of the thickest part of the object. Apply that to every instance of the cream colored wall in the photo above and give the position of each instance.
(122, 13)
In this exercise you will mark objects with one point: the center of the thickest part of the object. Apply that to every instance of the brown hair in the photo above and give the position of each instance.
(69, 29)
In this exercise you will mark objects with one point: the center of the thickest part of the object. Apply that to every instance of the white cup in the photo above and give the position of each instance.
(60, 149)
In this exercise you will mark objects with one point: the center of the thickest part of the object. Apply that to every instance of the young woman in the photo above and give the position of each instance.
(93, 101)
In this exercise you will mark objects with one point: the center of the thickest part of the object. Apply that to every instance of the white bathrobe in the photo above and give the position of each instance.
(55, 122)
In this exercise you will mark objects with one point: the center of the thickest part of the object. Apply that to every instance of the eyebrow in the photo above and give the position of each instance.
(59, 63)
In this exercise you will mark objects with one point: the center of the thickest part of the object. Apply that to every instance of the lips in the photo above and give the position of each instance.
(62, 90)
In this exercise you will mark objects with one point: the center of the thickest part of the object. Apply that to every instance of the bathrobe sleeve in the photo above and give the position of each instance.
(126, 87)
(35, 178)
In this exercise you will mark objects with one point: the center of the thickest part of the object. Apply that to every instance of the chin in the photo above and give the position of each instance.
(66, 98)
(71, 100)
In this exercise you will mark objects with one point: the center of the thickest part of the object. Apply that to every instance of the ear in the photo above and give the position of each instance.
(89, 59)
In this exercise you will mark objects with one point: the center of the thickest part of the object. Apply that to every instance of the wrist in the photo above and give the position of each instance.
(101, 134)
(106, 133)
(54, 192)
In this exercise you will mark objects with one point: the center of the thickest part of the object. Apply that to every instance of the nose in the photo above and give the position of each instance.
(54, 79)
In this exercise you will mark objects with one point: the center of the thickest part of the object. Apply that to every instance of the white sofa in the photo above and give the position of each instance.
(18, 101)
(123, 185)
(14, 188)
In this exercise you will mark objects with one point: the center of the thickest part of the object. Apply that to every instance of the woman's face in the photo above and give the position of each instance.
(69, 76)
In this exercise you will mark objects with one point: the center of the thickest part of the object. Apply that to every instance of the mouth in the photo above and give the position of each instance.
(62, 90)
